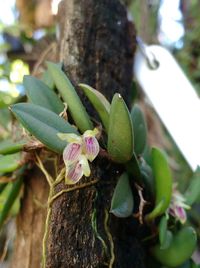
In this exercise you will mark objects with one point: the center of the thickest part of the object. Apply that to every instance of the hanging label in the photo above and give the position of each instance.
(173, 98)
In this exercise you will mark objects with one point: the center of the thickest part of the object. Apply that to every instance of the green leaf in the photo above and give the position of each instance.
(181, 248)
(40, 94)
(43, 124)
(147, 177)
(168, 240)
(163, 182)
(162, 230)
(10, 147)
(133, 168)
(120, 133)
(99, 102)
(5, 116)
(69, 95)
(122, 201)
(2, 187)
(193, 192)
(165, 236)
(9, 163)
(47, 79)
(140, 129)
(10, 199)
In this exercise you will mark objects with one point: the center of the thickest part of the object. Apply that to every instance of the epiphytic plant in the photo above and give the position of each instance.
(79, 139)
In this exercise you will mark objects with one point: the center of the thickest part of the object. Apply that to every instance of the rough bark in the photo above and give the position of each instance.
(97, 44)
(97, 47)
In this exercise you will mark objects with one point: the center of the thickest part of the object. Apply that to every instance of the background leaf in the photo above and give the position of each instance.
(9, 163)
(8, 146)
(10, 198)
(192, 194)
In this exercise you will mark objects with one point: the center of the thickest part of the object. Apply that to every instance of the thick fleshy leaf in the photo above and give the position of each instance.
(47, 79)
(120, 134)
(140, 129)
(162, 230)
(69, 95)
(122, 201)
(192, 194)
(147, 177)
(132, 167)
(9, 146)
(40, 94)
(9, 163)
(43, 124)
(181, 248)
(100, 103)
(167, 241)
(11, 197)
(163, 182)
(2, 187)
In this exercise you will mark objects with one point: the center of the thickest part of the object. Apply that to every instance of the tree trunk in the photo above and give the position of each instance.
(97, 45)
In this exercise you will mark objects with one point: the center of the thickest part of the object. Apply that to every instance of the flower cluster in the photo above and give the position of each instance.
(177, 207)
(76, 154)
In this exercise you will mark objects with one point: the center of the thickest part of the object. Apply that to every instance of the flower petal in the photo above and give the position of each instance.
(90, 147)
(85, 165)
(74, 173)
(180, 214)
(70, 137)
(71, 153)
(89, 133)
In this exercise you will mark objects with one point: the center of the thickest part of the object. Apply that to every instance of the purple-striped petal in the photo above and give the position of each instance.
(180, 214)
(74, 173)
(90, 147)
(71, 153)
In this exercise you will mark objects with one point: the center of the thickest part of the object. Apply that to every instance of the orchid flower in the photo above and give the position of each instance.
(76, 154)
(177, 207)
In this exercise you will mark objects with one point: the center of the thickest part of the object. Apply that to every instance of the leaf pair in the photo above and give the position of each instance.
(117, 122)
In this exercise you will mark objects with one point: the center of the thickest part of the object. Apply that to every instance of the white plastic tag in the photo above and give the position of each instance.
(173, 98)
